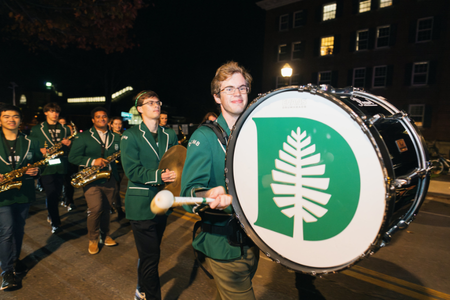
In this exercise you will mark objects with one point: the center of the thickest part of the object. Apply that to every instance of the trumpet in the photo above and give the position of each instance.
(8, 178)
(56, 147)
(91, 174)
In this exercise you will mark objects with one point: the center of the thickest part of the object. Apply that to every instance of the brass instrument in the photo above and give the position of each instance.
(88, 175)
(8, 178)
(58, 146)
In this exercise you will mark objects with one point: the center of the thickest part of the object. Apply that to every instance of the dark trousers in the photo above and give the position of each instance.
(12, 223)
(147, 236)
(99, 200)
(68, 190)
(53, 187)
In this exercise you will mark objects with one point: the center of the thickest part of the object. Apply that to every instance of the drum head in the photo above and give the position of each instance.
(308, 180)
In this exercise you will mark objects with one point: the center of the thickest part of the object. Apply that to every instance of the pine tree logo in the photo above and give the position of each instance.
(296, 191)
(308, 179)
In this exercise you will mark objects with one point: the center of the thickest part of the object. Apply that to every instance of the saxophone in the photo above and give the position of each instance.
(91, 174)
(58, 146)
(8, 178)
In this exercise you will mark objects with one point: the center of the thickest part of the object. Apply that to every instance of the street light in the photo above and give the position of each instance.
(286, 72)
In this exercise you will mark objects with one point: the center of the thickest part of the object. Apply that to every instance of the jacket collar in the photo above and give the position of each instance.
(163, 139)
(96, 137)
(46, 132)
(22, 149)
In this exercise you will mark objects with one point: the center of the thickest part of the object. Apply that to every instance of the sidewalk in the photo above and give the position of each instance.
(440, 185)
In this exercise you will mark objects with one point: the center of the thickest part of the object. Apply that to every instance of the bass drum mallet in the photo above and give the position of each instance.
(165, 200)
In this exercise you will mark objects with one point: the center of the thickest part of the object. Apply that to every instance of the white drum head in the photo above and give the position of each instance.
(308, 180)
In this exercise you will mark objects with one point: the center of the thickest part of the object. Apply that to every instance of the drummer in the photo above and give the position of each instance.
(230, 254)
(142, 149)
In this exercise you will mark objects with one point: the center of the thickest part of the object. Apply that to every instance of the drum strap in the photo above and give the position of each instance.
(196, 253)
(218, 130)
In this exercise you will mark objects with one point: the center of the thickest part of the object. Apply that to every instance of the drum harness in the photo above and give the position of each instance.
(232, 230)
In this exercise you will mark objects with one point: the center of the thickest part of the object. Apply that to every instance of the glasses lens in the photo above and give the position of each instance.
(243, 89)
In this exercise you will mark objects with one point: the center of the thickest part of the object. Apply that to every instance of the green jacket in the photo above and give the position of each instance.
(29, 152)
(43, 135)
(204, 169)
(87, 147)
(140, 161)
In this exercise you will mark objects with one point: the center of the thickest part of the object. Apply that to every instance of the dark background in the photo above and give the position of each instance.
(179, 46)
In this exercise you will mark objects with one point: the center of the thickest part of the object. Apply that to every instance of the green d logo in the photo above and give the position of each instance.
(308, 179)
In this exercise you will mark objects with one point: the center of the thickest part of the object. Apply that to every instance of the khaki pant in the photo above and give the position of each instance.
(233, 278)
(99, 200)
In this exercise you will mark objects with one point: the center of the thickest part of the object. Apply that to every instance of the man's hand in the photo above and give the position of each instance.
(168, 176)
(66, 142)
(101, 162)
(31, 171)
(1, 177)
(44, 151)
(222, 199)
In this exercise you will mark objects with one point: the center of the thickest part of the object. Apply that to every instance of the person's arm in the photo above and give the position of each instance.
(132, 164)
(77, 154)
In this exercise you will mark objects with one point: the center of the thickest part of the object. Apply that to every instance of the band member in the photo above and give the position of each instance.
(163, 118)
(91, 148)
(49, 133)
(230, 254)
(115, 125)
(68, 190)
(142, 149)
(16, 151)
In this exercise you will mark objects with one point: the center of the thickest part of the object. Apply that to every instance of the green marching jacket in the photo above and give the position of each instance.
(87, 147)
(28, 151)
(42, 134)
(140, 161)
(204, 169)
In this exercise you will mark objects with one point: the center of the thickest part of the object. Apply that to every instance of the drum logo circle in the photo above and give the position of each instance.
(308, 179)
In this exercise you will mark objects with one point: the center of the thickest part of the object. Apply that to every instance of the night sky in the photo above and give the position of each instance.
(181, 44)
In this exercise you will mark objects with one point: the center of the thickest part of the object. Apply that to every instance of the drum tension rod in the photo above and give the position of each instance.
(378, 117)
(405, 180)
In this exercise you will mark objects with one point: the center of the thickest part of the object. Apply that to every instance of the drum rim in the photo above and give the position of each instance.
(237, 207)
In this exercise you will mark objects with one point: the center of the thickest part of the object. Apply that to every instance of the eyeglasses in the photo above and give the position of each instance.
(229, 90)
(153, 103)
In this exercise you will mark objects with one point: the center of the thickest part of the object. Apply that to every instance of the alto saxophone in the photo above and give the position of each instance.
(91, 174)
(58, 146)
(8, 178)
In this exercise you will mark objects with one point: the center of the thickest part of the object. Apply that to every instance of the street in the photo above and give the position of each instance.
(415, 265)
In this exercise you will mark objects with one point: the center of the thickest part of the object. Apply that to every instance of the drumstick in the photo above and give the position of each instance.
(165, 200)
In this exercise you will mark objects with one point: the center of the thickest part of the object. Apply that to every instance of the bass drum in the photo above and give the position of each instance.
(322, 179)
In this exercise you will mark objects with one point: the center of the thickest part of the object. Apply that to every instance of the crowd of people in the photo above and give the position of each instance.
(231, 256)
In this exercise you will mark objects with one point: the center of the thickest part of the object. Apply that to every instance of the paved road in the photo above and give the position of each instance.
(415, 266)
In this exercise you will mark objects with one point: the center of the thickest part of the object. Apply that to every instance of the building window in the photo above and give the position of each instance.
(324, 77)
(327, 45)
(297, 50)
(383, 36)
(420, 73)
(329, 11)
(284, 22)
(362, 39)
(282, 52)
(379, 76)
(364, 5)
(417, 113)
(385, 3)
(424, 29)
(359, 77)
(299, 19)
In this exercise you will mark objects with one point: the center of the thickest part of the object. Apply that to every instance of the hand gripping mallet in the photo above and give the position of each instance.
(165, 200)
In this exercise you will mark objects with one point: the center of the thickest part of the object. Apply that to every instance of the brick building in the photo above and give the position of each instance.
(398, 49)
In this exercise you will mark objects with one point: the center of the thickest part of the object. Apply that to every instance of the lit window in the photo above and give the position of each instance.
(324, 77)
(420, 73)
(299, 19)
(417, 113)
(379, 76)
(284, 22)
(329, 11)
(424, 29)
(385, 3)
(327, 45)
(296, 50)
(362, 40)
(359, 77)
(383, 36)
(282, 52)
(364, 5)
